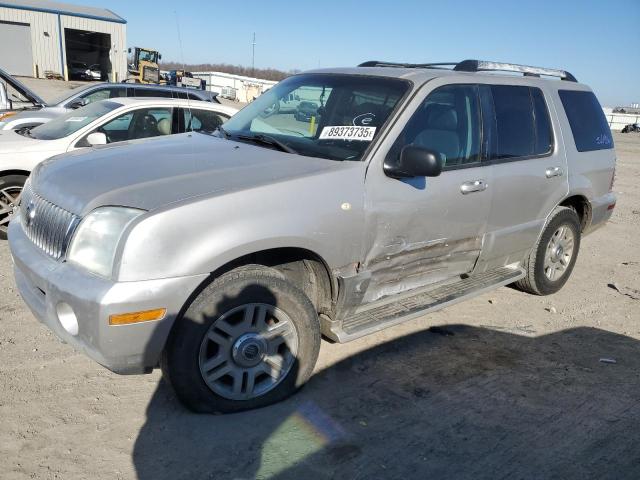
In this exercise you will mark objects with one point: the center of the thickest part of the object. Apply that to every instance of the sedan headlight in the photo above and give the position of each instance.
(94, 244)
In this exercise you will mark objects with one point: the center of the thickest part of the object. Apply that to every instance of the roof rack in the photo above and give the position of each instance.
(480, 66)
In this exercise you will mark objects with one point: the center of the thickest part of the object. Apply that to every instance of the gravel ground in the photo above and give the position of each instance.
(506, 385)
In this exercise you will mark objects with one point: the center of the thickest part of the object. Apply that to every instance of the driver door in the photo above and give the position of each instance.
(425, 230)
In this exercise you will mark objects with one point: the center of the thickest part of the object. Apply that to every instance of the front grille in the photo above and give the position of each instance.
(48, 226)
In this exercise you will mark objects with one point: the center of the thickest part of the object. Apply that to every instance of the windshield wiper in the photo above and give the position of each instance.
(267, 140)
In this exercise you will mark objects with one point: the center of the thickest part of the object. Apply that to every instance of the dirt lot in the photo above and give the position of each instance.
(503, 386)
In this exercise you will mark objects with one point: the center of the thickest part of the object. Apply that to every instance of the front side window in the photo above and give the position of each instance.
(141, 123)
(322, 115)
(448, 123)
(73, 121)
(586, 118)
(104, 94)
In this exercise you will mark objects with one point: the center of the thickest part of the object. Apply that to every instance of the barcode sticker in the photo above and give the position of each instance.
(348, 132)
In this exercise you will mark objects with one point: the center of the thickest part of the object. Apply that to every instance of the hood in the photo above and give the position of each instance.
(22, 89)
(13, 143)
(152, 173)
(42, 115)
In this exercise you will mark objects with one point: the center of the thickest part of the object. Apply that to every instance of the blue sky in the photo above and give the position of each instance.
(597, 40)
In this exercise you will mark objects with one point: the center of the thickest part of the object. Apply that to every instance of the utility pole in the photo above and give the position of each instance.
(253, 56)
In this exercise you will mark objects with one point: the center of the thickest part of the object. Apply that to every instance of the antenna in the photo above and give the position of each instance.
(184, 71)
(253, 56)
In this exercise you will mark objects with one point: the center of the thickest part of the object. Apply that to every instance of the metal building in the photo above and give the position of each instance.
(39, 38)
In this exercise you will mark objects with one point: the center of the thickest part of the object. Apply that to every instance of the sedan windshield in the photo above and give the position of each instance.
(321, 115)
(73, 121)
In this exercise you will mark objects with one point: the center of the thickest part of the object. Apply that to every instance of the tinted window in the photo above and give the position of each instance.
(151, 92)
(588, 123)
(544, 137)
(104, 94)
(514, 121)
(447, 122)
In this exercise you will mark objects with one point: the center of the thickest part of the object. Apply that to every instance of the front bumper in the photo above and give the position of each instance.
(45, 283)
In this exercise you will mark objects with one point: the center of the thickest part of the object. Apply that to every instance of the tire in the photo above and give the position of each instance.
(216, 334)
(547, 268)
(10, 189)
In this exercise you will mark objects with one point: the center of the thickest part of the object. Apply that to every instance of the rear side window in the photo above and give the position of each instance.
(588, 123)
(544, 135)
(514, 120)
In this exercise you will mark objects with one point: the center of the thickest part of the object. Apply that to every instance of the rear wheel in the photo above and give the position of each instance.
(551, 261)
(10, 191)
(248, 340)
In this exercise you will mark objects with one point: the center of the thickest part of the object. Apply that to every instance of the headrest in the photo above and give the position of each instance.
(164, 126)
(442, 117)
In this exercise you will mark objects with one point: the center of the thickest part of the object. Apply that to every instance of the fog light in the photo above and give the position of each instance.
(137, 317)
(67, 318)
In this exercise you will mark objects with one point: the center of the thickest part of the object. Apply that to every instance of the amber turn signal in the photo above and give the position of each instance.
(137, 317)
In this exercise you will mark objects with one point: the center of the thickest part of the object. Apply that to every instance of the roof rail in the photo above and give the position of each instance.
(485, 66)
(480, 66)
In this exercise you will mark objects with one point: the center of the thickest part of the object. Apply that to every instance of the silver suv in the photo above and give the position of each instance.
(224, 257)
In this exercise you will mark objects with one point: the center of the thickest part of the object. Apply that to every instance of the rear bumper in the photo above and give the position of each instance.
(45, 284)
(601, 211)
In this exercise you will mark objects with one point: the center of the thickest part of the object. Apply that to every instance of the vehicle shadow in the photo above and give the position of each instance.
(449, 402)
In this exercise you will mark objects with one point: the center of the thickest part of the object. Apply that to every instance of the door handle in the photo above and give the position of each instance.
(473, 186)
(553, 172)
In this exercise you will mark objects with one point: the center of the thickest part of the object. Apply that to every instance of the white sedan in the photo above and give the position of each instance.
(100, 123)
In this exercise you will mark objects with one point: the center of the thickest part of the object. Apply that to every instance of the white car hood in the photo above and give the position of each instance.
(14, 143)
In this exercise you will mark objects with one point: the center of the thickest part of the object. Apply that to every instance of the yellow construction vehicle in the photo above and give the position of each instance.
(144, 66)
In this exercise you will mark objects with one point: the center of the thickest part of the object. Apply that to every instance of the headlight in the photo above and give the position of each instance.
(94, 244)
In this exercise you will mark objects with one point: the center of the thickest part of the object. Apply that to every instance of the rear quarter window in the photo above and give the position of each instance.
(588, 124)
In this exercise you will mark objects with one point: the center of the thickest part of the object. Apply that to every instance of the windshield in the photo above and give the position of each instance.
(70, 93)
(73, 121)
(321, 115)
(148, 56)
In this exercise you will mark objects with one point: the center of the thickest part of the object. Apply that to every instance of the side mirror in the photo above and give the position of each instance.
(159, 57)
(96, 138)
(414, 162)
(81, 102)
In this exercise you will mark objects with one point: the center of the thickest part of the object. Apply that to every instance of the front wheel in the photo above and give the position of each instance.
(551, 261)
(248, 340)
(10, 191)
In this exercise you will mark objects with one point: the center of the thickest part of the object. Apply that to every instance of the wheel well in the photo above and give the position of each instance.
(302, 267)
(582, 207)
(6, 173)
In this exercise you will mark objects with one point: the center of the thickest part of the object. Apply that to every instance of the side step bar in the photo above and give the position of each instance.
(400, 308)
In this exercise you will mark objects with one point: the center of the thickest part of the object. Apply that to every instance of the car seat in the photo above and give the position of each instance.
(441, 132)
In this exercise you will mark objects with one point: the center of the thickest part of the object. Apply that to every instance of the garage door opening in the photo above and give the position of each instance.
(87, 51)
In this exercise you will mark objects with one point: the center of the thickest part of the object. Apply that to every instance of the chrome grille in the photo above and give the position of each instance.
(48, 226)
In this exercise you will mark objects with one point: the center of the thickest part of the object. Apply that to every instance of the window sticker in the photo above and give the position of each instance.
(76, 119)
(348, 132)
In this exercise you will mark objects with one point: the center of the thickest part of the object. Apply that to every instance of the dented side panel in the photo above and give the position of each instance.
(423, 230)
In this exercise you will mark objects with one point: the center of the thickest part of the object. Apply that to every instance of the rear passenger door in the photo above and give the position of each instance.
(529, 169)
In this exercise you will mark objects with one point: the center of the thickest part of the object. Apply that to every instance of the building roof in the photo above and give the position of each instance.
(64, 9)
